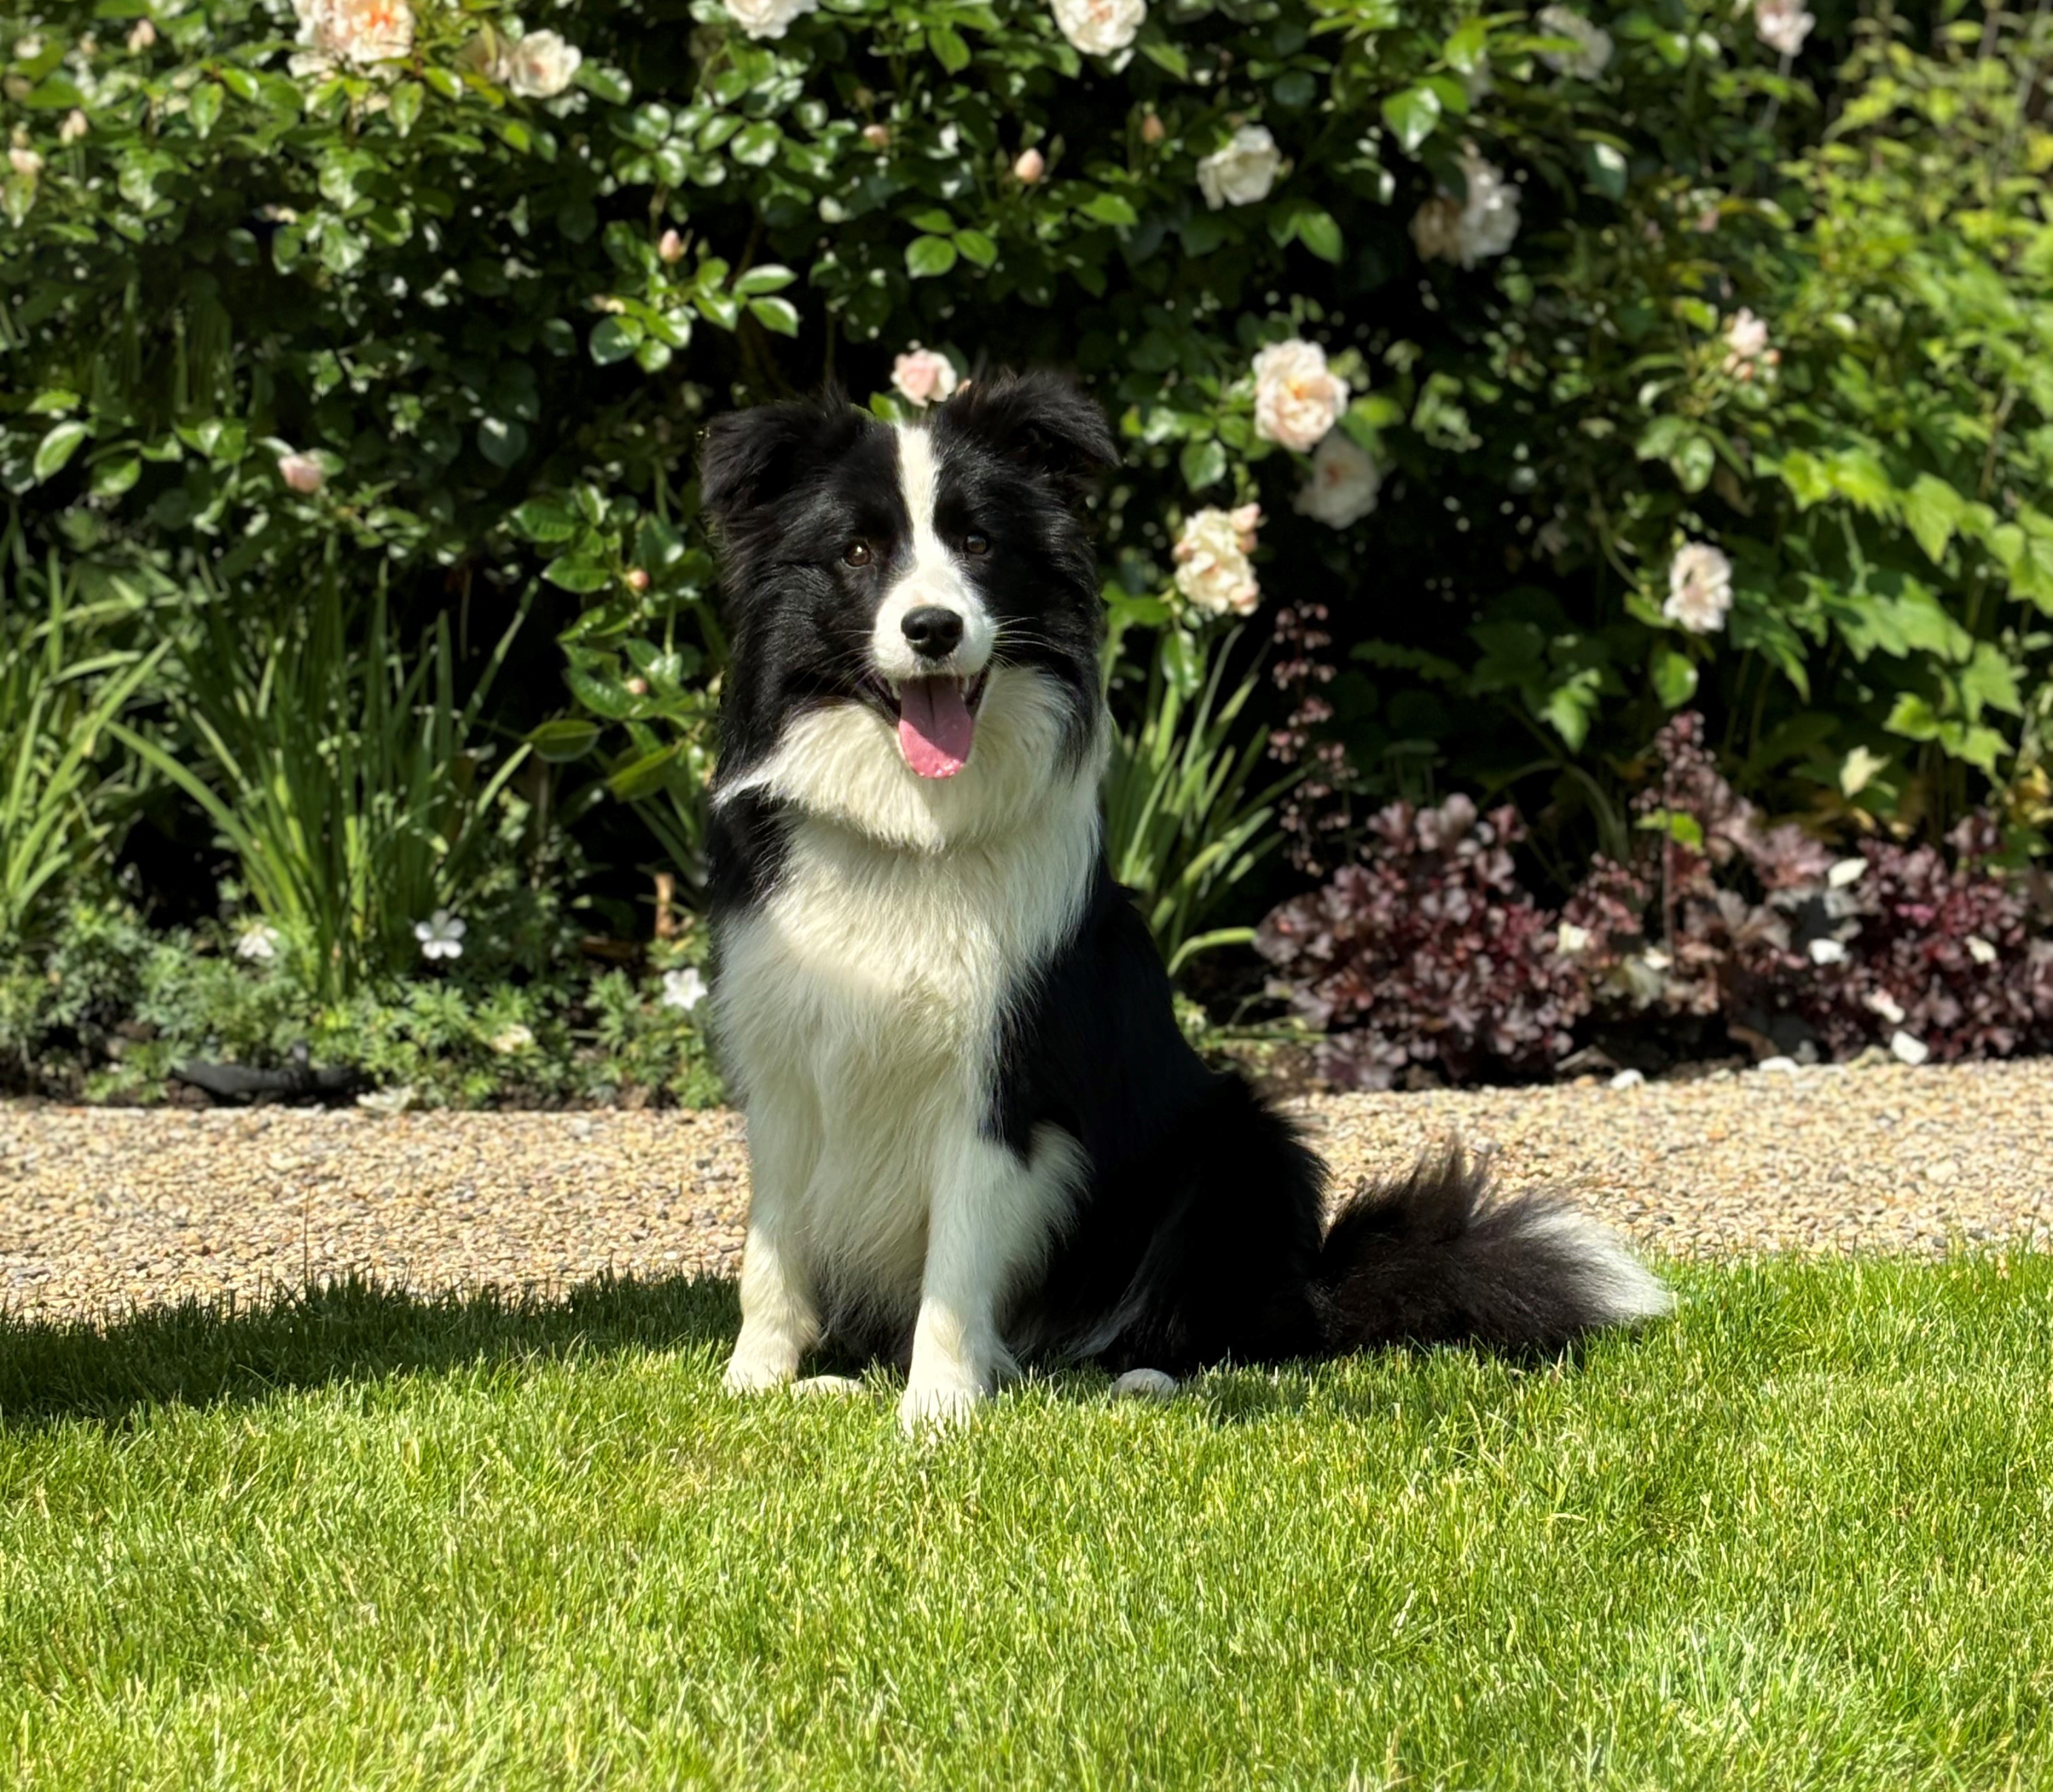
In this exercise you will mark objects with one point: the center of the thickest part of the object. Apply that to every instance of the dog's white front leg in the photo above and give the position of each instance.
(991, 1218)
(779, 1318)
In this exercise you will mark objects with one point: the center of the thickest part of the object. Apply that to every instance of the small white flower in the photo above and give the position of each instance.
(303, 472)
(24, 161)
(1910, 1049)
(142, 37)
(1827, 951)
(1699, 588)
(539, 66)
(1569, 939)
(75, 126)
(922, 377)
(683, 989)
(1243, 173)
(768, 18)
(1845, 871)
(1593, 55)
(1882, 1003)
(258, 942)
(1341, 486)
(512, 1038)
(1980, 949)
(27, 49)
(1782, 25)
(1099, 27)
(1747, 352)
(1213, 570)
(1552, 540)
(1298, 398)
(1483, 224)
(440, 935)
(355, 33)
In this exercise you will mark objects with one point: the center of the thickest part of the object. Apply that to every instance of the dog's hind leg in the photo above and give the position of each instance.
(992, 1219)
(779, 1311)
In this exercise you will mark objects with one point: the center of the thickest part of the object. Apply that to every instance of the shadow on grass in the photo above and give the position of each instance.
(200, 1353)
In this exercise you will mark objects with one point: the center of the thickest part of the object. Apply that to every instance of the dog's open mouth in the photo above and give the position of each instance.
(937, 723)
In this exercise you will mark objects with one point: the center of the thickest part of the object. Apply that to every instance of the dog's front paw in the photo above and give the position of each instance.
(757, 1369)
(930, 1408)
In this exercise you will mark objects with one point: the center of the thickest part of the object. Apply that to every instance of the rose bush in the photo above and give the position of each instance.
(1586, 365)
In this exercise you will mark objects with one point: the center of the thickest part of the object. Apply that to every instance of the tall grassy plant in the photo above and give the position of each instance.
(59, 809)
(346, 778)
(1184, 822)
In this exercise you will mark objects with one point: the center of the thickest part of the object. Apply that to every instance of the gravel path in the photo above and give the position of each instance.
(100, 1209)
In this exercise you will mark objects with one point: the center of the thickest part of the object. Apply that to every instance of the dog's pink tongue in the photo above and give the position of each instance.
(935, 726)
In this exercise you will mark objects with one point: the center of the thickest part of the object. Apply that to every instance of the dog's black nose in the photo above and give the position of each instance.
(934, 632)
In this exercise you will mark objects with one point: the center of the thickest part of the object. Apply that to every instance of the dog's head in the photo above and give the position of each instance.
(915, 607)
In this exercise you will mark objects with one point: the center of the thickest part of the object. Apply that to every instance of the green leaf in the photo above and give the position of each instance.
(1203, 464)
(1412, 116)
(545, 519)
(614, 339)
(1318, 233)
(949, 49)
(406, 101)
(780, 315)
(608, 83)
(565, 738)
(501, 442)
(204, 108)
(1931, 508)
(1674, 676)
(1914, 718)
(1110, 208)
(1604, 168)
(1466, 46)
(771, 277)
(645, 776)
(58, 446)
(926, 257)
(977, 247)
(577, 572)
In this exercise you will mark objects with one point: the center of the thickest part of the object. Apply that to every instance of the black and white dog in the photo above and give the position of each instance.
(977, 1137)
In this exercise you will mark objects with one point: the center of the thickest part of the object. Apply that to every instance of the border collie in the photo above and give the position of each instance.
(977, 1137)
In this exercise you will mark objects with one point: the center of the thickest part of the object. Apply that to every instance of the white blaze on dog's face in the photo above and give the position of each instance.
(933, 638)
(915, 609)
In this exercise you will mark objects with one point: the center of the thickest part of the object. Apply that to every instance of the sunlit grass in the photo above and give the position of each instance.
(1801, 1536)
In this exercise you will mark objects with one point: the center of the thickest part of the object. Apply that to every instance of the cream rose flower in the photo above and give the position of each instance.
(1699, 592)
(1593, 55)
(1099, 27)
(1213, 571)
(923, 378)
(1298, 398)
(1470, 229)
(1747, 352)
(538, 66)
(1782, 25)
(302, 473)
(768, 18)
(1341, 487)
(1243, 173)
(352, 33)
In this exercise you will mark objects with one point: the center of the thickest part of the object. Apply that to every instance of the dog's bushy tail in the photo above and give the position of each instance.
(1439, 1256)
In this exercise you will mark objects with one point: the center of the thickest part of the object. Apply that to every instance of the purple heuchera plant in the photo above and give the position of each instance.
(1426, 950)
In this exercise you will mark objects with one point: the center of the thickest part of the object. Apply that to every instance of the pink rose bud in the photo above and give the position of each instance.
(670, 247)
(75, 126)
(637, 580)
(638, 687)
(1029, 167)
(1153, 129)
(878, 136)
(303, 472)
(144, 35)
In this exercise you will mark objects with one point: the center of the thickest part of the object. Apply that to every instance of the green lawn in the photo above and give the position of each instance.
(1801, 1536)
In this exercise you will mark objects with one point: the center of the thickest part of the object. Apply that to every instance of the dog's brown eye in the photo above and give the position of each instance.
(857, 554)
(975, 544)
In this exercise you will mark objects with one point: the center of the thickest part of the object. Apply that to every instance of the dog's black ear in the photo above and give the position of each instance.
(753, 458)
(1041, 420)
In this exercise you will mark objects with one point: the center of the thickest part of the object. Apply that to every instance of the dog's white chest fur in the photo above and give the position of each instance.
(862, 1006)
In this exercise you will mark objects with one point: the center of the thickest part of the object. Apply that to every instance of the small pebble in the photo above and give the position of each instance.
(1628, 1079)
(1143, 1384)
